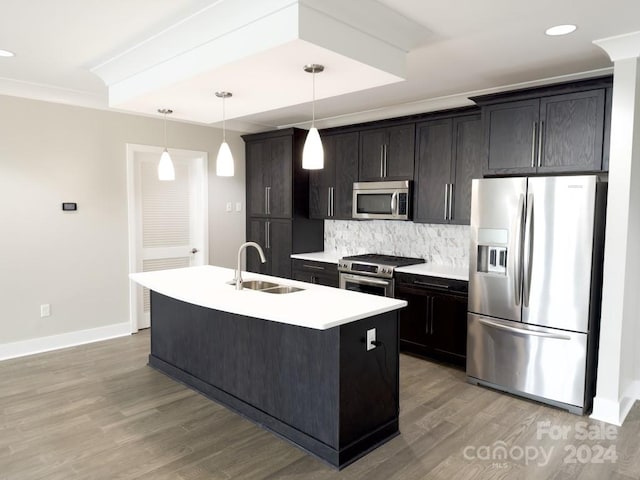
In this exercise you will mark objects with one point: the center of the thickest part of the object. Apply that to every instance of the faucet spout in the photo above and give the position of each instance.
(238, 279)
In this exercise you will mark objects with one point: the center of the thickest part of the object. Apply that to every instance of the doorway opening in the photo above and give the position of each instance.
(168, 220)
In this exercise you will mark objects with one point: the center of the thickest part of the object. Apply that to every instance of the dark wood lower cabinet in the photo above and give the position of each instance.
(320, 273)
(279, 238)
(434, 324)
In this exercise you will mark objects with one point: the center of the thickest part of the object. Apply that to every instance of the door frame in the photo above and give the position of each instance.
(134, 227)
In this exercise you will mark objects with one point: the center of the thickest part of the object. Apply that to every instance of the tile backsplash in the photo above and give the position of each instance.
(440, 244)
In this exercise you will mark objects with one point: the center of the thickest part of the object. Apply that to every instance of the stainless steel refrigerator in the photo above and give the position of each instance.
(535, 287)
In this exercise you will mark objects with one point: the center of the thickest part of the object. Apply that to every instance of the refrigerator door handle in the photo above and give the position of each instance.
(522, 331)
(517, 267)
(528, 250)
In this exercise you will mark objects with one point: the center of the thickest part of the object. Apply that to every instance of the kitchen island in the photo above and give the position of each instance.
(296, 364)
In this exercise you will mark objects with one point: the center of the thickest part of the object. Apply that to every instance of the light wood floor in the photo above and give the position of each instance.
(98, 412)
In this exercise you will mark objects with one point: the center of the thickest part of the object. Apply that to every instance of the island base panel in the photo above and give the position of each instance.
(318, 389)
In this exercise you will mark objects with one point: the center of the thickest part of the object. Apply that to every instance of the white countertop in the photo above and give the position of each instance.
(326, 257)
(316, 306)
(437, 270)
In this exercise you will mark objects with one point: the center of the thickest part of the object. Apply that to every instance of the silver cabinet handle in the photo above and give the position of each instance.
(431, 313)
(312, 267)
(523, 331)
(450, 200)
(333, 213)
(382, 161)
(386, 159)
(528, 250)
(267, 200)
(540, 134)
(328, 201)
(428, 317)
(267, 234)
(430, 285)
(517, 273)
(533, 145)
(446, 199)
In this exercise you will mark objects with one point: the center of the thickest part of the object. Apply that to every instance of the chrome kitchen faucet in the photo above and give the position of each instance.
(238, 279)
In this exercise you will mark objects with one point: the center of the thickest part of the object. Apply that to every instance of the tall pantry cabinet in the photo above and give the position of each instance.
(278, 201)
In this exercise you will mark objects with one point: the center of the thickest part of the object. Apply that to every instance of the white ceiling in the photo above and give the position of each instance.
(472, 46)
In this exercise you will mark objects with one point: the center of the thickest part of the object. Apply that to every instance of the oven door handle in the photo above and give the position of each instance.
(365, 281)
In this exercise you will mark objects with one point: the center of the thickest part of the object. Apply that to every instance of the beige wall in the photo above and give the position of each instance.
(78, 262)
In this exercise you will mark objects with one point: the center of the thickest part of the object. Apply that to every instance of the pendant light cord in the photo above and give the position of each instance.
(313, 103)
(224, 114)
(165, 130)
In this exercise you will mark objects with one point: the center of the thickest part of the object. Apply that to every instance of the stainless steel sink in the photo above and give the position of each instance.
(268, 287)
(258, 285)
(282, 289)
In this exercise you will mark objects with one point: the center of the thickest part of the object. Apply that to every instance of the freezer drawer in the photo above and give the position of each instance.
(544, 363)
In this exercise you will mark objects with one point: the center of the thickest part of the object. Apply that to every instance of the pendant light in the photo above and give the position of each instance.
(224, 162)
(312, 153)
(166, 172)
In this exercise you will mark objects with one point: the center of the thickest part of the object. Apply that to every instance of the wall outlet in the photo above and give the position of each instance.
(45, 310)
(371, 337)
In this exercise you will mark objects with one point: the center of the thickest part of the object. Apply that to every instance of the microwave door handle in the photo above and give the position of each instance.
(394, 203)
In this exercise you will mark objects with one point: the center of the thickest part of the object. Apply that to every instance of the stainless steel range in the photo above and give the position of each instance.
(372, 273)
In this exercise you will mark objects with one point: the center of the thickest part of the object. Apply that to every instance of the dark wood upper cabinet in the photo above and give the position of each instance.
(511, 135)
(270, 174)
(448, 157)
(433, 171)
(467, 162)
(387, 153)
(571, 132)
(331, 188)
(553, 129)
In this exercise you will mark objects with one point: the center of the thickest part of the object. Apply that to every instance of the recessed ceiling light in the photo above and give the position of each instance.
(560, 30)
(6, 53)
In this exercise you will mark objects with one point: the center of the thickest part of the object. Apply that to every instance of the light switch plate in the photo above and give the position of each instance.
(45, 310)
(229, 207)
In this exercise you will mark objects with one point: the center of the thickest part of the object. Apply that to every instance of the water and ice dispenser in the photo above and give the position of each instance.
(492, 251)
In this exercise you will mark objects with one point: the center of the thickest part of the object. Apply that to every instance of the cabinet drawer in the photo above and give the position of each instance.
(432, 283)
(320, 273)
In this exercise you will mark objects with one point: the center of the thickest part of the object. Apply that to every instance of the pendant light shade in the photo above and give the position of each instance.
(313, 153)
(224, 162)
(166, 171)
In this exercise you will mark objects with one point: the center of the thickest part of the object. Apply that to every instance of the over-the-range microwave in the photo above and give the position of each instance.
(381, 200)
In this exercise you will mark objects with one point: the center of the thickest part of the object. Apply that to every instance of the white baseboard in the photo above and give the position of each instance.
(614, 412)
(64, 340)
